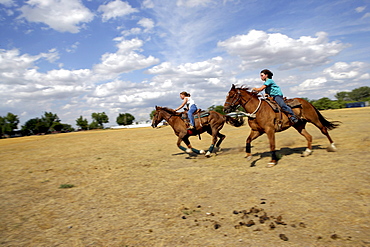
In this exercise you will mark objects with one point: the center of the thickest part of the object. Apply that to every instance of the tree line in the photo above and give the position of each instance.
(50, 122)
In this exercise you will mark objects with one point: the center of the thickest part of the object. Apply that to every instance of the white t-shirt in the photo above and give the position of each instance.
(190, 102)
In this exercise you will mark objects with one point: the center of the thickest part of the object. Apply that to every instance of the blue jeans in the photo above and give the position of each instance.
(191, 111)
(280, 100)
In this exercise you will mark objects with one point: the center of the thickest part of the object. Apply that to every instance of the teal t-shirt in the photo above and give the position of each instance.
(272, 89)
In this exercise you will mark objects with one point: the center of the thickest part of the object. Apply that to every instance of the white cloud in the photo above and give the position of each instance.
(115, 9)
(126, 58)
(14, 66)
(335, 78)
(345, 71)
(360, 9)
(205, 69)
(193, 3)
(148, 4)
(61, 15)
(147, 24)
(260, 49)
(8, 3)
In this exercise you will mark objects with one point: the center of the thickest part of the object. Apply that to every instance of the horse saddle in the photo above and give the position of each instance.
(197, 114)
(292, 103)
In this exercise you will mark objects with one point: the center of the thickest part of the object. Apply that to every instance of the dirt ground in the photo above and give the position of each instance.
(134, 187)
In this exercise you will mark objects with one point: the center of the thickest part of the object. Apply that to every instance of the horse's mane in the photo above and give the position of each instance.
(170, 111)
(243, 87)
(248, 90)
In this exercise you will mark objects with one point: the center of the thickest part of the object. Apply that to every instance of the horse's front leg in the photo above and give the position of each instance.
(189, 148)
(186, 141)
(248, 148)
(271, 137)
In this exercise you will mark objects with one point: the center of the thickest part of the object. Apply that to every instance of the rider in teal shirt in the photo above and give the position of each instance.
(274, 91)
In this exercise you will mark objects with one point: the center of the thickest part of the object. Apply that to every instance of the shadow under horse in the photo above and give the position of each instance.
(263, 119)
(211, 123)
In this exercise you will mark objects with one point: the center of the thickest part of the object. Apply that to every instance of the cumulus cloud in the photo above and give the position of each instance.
(61, 15)
(14, 66)
(344, 71)
(335, 78)
(22, 86)
(126, 58)
(115, 9)
(191, 71)
(147, 24)
(260, 49)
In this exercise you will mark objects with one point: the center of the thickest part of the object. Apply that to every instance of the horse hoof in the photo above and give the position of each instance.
(332, 148)
(248, 157)
(271, 164)
(208, 154)
(202, 152)
(306, 153)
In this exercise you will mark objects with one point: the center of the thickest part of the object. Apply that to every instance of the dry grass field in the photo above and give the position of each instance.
(134, 187)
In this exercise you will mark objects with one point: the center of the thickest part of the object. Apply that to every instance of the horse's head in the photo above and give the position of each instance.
(232, 100)
(162, 113)
(158, 117)
(237, 96)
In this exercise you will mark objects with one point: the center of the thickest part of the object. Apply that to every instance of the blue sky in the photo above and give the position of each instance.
(74, 57)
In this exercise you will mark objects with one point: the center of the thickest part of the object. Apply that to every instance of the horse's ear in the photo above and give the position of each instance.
(233, 86)
(156, 107)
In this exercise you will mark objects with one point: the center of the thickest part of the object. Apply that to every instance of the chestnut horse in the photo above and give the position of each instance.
(263, 119)
(212, 124)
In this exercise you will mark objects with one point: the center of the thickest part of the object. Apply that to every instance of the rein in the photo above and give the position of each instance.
(239, 98)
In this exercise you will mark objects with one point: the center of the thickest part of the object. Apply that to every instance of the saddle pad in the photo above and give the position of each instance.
(201, 114)
(290, 102)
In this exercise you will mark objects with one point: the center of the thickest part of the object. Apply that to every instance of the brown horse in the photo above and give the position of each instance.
(263, 119)
(212, 123)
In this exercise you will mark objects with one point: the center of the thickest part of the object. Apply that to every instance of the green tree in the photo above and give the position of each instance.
(35, 126)
(359, 94)
(8, 124)
(151, 115)
(2, 126)
(57, 126)
(322, 104)
(94, 125)
(12, 121)
(82, 123)
(342, 96)
(218, 108)
(49, 119)
(125, 119)
(100, 118)
(67, 128)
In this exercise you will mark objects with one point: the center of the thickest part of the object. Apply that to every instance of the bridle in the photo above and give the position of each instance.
(239, 99)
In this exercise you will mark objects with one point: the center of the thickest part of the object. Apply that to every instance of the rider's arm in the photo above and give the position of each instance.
(182, 105)
(260, 88)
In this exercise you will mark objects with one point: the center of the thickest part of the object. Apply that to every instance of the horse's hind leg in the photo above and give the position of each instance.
(301, 128)
(220, 140)
(214, 135)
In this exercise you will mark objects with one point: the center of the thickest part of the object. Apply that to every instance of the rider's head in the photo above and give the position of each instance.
(268, 73)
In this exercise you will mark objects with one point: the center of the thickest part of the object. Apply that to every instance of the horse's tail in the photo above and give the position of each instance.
(236, 122)
(329, 125)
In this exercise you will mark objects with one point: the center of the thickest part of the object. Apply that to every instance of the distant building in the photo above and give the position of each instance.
(357, 104)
